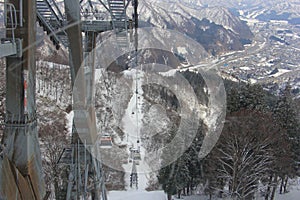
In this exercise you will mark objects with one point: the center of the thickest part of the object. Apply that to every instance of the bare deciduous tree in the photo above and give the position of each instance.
(54, 141)
(246, 151)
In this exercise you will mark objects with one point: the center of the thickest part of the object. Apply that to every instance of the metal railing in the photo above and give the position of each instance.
(10, 18)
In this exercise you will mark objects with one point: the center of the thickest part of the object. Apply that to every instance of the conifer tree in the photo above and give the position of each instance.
(286, 116)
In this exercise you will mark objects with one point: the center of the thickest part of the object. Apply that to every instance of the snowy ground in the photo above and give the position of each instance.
(136, 195)
(160, 195)
(293, 194)
(132, 122)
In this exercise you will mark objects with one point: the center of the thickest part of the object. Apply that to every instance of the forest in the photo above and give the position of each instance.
(257, 153)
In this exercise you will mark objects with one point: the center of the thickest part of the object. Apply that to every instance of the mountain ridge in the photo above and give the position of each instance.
(215, 24)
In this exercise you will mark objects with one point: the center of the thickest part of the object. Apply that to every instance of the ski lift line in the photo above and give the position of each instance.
(86, 170)
(136, 74)
(136, 102)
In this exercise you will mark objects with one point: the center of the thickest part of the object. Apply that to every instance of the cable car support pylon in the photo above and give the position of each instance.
(20, 166)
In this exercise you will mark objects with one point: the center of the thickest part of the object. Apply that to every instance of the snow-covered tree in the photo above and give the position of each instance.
(54, 140)
(246, 96)
(245, 151)
(174, 177)
(286, 116)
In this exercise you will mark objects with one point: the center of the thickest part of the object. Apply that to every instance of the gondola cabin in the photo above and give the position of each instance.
(135, 154)
(105, 141)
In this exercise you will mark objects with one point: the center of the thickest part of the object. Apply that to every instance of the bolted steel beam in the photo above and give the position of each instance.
(20, 136)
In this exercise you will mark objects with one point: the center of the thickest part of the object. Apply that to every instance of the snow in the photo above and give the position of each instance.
(57, 90)
(132, 122)
(294, 194)
(254, 14)
(136, 195)
(294, 191)
(279, 21)
(252, 81)
(280, 72)
(250, 21)
(69, 123)
(245, 68)
(182, 50)
(171, 72)
(160, 195)
(297, 49)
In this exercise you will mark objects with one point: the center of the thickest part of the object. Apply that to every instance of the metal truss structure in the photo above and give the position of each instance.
(20, 163)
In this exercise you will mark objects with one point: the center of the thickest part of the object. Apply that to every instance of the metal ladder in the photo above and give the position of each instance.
(119, 21)
(52, 21)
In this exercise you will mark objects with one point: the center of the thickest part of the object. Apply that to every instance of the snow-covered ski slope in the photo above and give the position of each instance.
(294, 194)
(132, 122)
